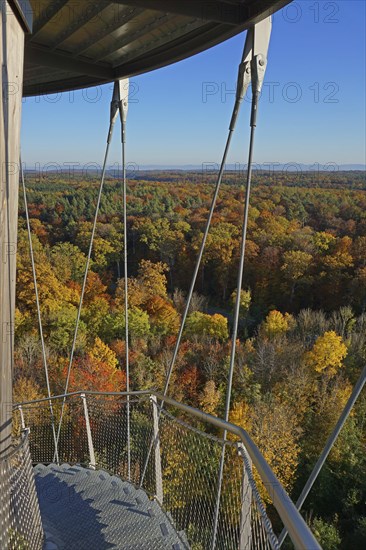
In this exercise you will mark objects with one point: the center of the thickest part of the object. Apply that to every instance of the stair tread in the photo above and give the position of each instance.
(84, 508)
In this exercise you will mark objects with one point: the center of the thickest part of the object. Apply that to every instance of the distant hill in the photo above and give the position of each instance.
(212, 167)
(288, 167)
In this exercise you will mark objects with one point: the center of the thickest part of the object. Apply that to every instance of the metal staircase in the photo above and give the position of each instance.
(160, 490)
(86, 509)
(122, 470)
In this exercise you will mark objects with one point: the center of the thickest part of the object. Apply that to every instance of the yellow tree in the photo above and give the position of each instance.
(51, 291)
(327, 353)
(201, 324)
(323, 241)
(210, 398)
(276, 323)
(101, 352)
(152, 277)
(102, 251)
(222, 242)
(276, 431)
(26, 389)
(296, 263)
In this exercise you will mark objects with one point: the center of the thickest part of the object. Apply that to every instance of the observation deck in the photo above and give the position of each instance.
(135, 469)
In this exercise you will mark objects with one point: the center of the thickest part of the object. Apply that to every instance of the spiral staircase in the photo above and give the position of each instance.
(128, 470)
(126, 473)
(84, 509)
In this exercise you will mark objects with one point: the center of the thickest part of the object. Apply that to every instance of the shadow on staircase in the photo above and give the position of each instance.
(84, 509)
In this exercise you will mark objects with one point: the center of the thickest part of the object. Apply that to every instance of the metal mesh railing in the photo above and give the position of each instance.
(190, 461)
(108, 422)
(181, 471)
(21, 526)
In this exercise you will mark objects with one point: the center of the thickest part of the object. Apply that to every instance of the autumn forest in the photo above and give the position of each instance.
(302, 331)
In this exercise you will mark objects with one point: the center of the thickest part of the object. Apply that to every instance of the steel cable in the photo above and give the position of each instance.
(85, 276)
(40, 327)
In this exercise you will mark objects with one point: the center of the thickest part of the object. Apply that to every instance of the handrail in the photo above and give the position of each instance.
(300, 533)
(23, 440)
(86, 392)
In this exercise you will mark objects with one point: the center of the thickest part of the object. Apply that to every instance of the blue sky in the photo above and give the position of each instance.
(312, 108)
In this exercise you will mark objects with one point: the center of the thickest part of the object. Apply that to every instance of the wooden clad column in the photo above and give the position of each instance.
(13, 24)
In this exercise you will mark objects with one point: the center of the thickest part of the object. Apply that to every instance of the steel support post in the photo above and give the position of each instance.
(158, 472)
(92, 463)
(21, 413)
(245, 532)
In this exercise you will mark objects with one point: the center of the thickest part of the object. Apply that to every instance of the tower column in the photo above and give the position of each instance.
(14, 22)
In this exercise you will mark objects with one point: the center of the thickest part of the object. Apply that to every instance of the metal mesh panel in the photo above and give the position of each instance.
(72, 446)
(108, 422)
(173, 459)
(262, 535)
(190, 461)
(21, 527)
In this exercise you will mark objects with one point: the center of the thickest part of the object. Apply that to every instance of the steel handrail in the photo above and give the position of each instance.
(300, 533)
(86, 392)
(23, 440)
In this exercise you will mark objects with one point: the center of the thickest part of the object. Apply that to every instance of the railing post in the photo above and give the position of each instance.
(22, 422)
(245, 532)
(92, 463)
(158, 472)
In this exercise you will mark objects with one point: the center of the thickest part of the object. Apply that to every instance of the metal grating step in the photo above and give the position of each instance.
(85, 509)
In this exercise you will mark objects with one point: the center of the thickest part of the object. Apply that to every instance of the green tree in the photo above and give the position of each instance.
(202, 325)
(245, 300)
(327, 534)
(68, 262)
(295, 266)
